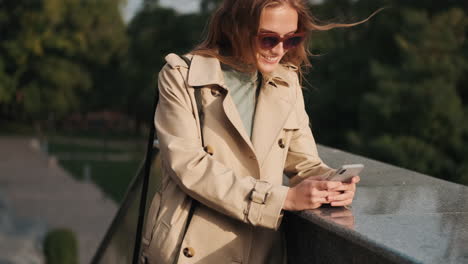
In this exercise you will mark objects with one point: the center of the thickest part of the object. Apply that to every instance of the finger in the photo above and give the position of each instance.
(318, 193)
(341, 197)
(333, 193)
(319, 200)
(346, 187)
(342, 203)
(355, 179)
(330, 185)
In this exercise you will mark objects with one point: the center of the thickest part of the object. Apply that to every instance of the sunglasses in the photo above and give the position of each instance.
(270, 40)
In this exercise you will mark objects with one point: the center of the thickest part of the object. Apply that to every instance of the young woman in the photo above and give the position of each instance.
(231, 122)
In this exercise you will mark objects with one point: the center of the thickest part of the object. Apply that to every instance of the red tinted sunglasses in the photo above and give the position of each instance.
(270, 40)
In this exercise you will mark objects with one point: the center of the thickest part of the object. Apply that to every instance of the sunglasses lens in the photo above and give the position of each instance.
(292, 42)
(269, 42)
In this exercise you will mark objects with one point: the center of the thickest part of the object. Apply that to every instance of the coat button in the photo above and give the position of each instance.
(209, 149)
(189, 252)
(281, 143)
(215, 92)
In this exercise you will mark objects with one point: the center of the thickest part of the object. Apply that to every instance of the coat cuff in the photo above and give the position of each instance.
(266, 204)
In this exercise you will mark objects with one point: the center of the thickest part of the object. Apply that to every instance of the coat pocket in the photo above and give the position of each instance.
(158, 249)
(150, 225)
(159, 235)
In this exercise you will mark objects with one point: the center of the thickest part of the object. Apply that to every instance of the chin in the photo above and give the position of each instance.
(267, 67)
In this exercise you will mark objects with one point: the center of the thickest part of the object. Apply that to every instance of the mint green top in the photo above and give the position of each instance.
(243, 90)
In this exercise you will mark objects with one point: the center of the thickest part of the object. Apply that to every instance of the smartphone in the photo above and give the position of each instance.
(346, 172)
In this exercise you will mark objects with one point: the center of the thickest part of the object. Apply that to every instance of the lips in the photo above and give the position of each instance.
(270, 59)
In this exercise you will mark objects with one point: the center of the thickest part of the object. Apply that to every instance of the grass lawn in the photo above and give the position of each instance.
(112, 177)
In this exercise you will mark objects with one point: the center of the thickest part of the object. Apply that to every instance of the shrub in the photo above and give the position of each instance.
(60, 247)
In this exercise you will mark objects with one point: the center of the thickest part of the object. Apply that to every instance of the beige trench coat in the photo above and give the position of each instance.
(239, 182)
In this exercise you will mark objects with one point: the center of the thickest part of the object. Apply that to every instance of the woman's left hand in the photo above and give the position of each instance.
(344, 194)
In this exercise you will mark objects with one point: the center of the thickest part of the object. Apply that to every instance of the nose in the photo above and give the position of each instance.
(278, 49)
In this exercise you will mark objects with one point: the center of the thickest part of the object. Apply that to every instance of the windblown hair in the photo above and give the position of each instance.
(234, 25)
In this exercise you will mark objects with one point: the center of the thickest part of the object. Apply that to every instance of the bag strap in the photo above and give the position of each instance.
(144, 188)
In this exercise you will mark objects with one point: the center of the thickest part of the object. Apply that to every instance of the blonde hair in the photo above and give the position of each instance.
(234, 25)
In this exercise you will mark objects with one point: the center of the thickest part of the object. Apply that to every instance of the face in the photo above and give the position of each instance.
(281, 20)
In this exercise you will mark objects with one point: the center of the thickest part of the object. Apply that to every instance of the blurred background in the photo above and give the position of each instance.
(78, 79)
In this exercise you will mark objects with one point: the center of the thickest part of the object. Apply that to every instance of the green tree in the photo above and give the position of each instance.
(154, 33)
(340, 73)
(394, 88)
(48, 50)
(415, 117)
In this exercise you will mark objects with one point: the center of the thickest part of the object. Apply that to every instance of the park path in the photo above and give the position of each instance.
(37, 188)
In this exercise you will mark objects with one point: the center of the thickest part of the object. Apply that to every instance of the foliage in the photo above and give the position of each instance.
(60, 247)
(149, 44)
(48, 51)
(395, 90)
(416, 103)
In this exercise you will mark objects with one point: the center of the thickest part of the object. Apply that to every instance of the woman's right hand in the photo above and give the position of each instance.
(310, 194)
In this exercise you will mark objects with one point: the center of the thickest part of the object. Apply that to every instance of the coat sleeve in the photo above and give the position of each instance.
(302, 160)
(198, 174)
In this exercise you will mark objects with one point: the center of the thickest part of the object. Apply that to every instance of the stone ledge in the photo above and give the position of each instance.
(398, 216)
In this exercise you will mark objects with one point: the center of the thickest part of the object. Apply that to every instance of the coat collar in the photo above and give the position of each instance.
(207, 71)
(274, 100)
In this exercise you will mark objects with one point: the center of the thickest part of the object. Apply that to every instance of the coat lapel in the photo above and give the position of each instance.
(206, 71)
(232, 113)
(273, 107)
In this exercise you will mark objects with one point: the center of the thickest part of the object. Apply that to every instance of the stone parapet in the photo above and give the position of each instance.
(398, 216)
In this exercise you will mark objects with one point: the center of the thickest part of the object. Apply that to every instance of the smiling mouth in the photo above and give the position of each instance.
(270, 59)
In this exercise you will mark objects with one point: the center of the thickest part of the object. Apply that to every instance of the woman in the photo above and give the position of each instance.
(231, 121)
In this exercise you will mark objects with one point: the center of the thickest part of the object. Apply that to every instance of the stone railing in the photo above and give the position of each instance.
(398, 216)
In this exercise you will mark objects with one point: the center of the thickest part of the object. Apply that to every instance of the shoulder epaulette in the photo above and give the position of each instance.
(176, 61)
